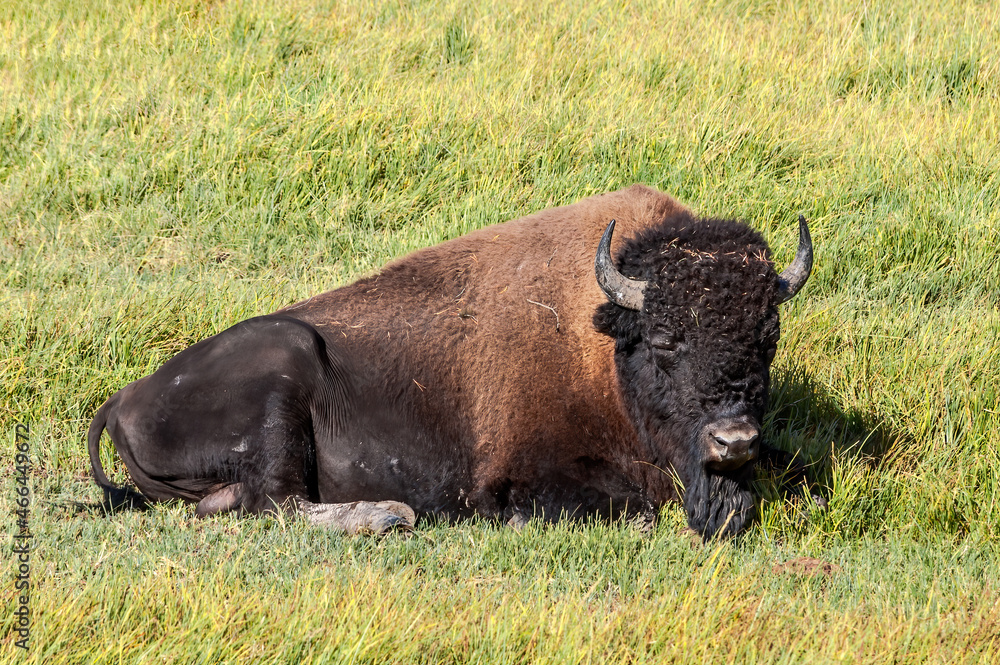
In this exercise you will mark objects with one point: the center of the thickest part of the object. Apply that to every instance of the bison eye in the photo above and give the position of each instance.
(769, 354)
(663, 343)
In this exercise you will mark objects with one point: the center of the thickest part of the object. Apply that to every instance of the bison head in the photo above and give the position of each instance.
(694, 314)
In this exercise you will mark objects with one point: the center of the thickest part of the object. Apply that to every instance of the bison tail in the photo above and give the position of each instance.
(114, 497)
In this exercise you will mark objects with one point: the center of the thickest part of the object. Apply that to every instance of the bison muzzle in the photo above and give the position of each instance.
(491, 375)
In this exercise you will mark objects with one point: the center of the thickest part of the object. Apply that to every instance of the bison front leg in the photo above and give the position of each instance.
(351, 518)
(359, 516)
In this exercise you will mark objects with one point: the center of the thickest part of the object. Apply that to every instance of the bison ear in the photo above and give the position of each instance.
(622, 324)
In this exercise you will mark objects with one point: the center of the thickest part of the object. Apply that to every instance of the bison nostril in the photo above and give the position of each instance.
(734, 444)
(739, 440)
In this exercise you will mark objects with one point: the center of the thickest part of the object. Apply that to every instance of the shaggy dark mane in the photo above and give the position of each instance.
(711, 291)
(708, 258)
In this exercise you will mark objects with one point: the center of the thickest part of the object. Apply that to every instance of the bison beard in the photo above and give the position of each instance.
(720, 504)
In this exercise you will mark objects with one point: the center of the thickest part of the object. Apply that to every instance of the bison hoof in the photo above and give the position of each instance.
(518, 521)
(644, 522)
(360, 516)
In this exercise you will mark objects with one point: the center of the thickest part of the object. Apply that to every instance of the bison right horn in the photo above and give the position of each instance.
(619, 289)
(795, 275)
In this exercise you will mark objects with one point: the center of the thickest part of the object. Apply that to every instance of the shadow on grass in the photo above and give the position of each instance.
(116, 500)
(805, 429)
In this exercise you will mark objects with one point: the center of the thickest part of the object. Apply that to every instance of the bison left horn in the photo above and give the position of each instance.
(795, 275)
(619, 289)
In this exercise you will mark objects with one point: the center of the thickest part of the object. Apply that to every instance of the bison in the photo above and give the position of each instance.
(490, 375)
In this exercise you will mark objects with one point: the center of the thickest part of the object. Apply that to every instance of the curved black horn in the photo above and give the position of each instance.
(619, 289)
(795, 275)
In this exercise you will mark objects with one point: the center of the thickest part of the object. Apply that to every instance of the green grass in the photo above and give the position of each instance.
(169, 169)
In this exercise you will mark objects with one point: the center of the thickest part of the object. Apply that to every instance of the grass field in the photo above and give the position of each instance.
(170, 168)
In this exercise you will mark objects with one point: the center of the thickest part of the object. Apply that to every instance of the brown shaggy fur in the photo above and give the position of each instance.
(464, 333)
